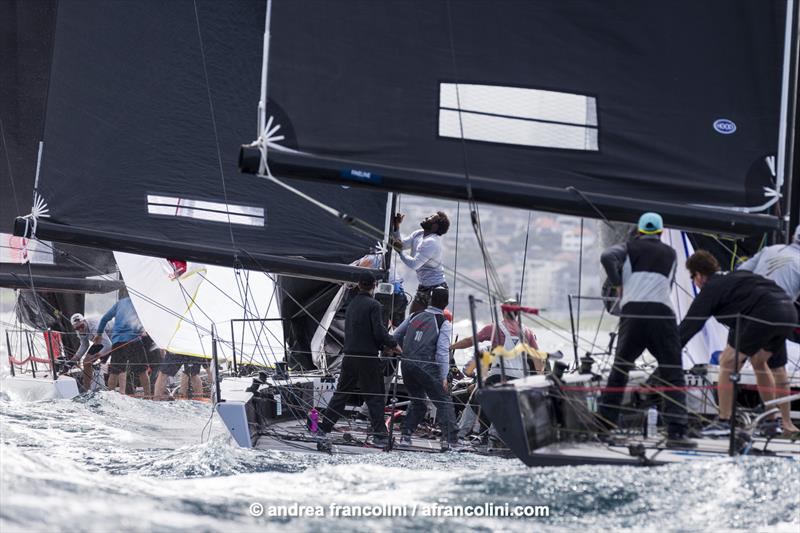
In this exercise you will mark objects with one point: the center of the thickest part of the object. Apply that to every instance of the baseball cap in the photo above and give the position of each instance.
(651, 223)
(77, 318)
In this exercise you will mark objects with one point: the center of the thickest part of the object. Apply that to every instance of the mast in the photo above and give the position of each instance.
(791, 204)
(262, 103)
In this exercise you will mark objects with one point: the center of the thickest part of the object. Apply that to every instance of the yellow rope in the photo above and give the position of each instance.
(521, 348)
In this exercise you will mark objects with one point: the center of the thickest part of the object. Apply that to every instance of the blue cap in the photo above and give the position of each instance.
(650, 223)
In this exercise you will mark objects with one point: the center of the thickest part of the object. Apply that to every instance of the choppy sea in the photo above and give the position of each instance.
(108, 462)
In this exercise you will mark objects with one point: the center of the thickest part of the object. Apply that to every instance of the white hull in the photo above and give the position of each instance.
(30, 389)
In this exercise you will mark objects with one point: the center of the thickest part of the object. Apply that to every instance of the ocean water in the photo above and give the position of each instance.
(108, 462)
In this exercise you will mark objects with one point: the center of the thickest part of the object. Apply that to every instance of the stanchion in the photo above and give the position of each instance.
(574, 333)
(10, 362)
(49, 348)
(218, 397)
(476, 348)
(735, 388)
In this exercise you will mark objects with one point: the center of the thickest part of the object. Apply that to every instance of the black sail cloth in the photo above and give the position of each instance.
(134, 159)
(630, 105)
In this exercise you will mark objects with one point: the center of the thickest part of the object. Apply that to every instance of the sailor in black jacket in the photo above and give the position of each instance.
(766, 315)
(365, 336)
(643, 269)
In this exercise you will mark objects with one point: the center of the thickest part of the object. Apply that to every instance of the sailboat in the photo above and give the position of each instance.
(581, 108)
(139, 157)
(465, 112)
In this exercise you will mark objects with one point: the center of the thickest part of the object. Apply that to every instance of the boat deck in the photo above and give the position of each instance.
(291, 435)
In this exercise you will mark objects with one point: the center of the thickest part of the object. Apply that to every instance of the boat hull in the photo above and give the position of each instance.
(542, 432)
(30, 389)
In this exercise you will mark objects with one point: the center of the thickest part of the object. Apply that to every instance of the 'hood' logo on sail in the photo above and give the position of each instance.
(724, 126)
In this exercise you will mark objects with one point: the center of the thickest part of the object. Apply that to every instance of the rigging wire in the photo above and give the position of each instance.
(580, 278)
(8, 163)
(492, 278)
(455, 269)
(525, 257)
(213, 122)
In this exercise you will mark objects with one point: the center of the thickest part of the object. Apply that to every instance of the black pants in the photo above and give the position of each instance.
(365, 371)
(659, 336)
(422, 298)
(421, 383)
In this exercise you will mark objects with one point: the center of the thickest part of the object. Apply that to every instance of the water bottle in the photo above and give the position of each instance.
(313, 416)
(652, 422)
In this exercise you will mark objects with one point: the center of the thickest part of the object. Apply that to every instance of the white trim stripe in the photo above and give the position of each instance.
(205, 210)
(518, 116)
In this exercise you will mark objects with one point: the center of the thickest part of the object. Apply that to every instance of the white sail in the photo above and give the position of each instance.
(178, 309)
(318, 353)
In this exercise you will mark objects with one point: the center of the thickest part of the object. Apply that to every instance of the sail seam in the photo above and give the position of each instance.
(527, 119)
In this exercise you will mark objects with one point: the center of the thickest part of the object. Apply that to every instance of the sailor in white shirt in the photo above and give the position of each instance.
(425, 257)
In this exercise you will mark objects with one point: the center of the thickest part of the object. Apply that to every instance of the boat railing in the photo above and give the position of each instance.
(38, 347)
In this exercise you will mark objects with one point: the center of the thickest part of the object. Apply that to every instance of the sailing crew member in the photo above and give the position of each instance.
(170, 365)
(506, 334)
(781, 264)
(426, 255)
(751, 296)
(127, 347)
(643, 271)
(86, 329)
(425, 337)
(365, 336)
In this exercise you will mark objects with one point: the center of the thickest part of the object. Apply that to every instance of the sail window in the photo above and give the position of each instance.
(518, 116)
(205, 210)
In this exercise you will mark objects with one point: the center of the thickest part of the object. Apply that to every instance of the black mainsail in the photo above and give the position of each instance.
(26, 51)
(585, 108)
(146, 107)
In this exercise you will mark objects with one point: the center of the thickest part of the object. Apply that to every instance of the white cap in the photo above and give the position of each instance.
(76, 319)
(797, 233)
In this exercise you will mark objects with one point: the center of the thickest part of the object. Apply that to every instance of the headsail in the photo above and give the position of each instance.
(179, 309)
(147, 105)
(573, 107)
